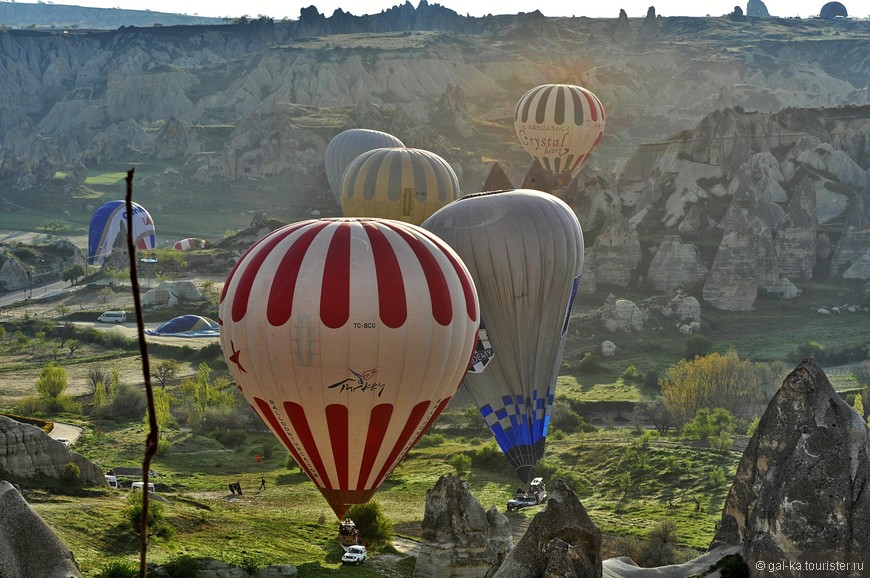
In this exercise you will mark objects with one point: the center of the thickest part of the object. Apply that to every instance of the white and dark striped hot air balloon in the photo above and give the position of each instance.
(348, 337)
(397, 183)
(524, 249)
(559, 125)
(346, 146)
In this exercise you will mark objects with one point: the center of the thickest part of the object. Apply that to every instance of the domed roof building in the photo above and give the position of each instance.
(833, 9)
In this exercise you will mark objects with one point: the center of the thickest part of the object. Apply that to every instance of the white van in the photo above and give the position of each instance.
(113, 317)
(112, 481)
(140, 485)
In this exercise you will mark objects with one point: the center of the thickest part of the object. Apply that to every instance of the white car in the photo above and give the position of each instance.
(354, 555)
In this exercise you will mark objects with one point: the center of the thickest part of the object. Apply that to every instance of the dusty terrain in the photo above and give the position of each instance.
(20, 382)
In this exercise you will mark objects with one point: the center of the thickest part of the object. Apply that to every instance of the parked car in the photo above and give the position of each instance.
(112, 481)
(64, 441)
(354, 555)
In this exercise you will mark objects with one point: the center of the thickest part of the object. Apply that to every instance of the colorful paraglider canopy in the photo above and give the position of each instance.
(559, 125)
(346, 146)
(189, 244)
(524, 250)
(187, 326)
(398, 183)
(110, 220)
(348, 337)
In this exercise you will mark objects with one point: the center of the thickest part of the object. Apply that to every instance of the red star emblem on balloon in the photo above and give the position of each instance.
(235, 357)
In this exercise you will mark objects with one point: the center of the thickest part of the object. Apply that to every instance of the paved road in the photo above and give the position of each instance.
(65, 430)
(35, 294)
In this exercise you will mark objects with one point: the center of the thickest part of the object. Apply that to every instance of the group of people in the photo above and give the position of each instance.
(236, 487)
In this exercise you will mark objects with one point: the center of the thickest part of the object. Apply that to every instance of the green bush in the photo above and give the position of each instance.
(250, 562)
(658, 548)
(128, 402)
(234, 438)
(489, 456)
(461, 464)
(118, 569)
(72, 474)
(371, 522)
(707, 424)
(811, 349)
(158, 525)
(183, 566)
(431, 440)
(698, 346)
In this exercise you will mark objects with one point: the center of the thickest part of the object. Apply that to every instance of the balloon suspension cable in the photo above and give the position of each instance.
(151, 440)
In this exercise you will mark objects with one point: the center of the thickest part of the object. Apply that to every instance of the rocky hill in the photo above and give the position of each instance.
(57, 16)
(735, 158)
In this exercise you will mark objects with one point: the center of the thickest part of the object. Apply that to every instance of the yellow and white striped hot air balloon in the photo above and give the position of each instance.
(404, 184)
(346, 146)
(559, 125)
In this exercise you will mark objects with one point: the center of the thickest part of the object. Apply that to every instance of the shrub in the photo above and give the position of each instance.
(431, 440)
(589, 363)
(658, 548)
(128, 402)
(291, 463)
(163, 447)
(717, 478)
(809, 349)
(234, 438)
(461, 464)
(118, 569)
(698, 346)
(72, 474)
(631, 374)
(183, 566)
(706, 424)
(490, 456)
(753, 425)
(250, 562)
(158, 525)
(371, 522)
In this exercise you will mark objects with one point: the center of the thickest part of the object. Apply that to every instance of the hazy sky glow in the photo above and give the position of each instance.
(280, 9)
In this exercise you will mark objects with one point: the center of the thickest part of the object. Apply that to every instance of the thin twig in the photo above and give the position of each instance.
(151, 440)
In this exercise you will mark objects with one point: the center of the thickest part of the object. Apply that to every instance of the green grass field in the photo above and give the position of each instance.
(290, 522)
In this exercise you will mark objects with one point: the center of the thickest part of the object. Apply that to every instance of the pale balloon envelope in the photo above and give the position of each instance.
(346, 146)
(403, 184)
(110, 220)
(524, 250)
(348, 337)
(559, 125)
(189, 244)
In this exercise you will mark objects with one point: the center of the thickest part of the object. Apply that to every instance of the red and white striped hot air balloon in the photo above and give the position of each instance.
(348, 337)
(559, 125)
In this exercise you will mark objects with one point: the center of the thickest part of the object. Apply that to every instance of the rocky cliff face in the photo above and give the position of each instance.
(807, 439)
(729, 117)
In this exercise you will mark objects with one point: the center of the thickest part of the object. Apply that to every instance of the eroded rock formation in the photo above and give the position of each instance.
(801, 489)
(28, 547)
(460, 538)
(560, 542)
